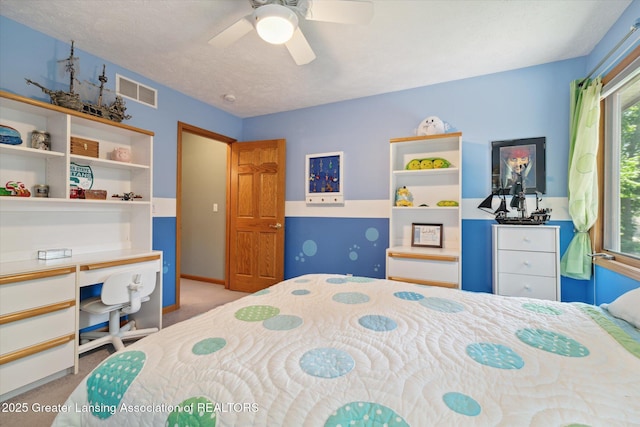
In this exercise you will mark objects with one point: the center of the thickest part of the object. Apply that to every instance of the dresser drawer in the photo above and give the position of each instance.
(34, 330)
(519, 285)
(530, 238)
(27, 294)
(533, 263)
(435, 272)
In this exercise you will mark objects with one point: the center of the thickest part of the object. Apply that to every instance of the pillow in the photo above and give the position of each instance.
(626, 307)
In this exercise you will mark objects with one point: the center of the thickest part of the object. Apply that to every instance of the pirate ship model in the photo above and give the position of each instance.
(114, 111)
(519, 202)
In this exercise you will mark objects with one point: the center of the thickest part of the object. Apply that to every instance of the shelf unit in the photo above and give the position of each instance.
(32, 223)
(39, 318)
(426, 265)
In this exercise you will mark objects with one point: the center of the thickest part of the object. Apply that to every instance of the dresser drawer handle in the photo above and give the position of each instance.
(527, 263)
(527, 287)
(526, 239)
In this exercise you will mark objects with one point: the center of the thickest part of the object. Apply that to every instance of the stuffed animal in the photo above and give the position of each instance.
(404, 197)
(432, 125)
(413, 165)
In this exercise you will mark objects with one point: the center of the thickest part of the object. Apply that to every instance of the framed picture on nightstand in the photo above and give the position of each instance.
(426, 235)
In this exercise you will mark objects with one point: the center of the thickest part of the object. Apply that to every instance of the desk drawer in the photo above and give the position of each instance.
(98, 273)
(529, 238)
(520, 285)
(22, 295)
(37, 366)
(34, 330)
(533, 263)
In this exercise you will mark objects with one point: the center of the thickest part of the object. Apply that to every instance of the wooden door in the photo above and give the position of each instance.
(256, 209)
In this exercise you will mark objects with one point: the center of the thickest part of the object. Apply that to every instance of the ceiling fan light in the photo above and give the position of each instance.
(274, 23)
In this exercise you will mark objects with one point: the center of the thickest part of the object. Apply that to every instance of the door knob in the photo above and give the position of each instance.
(276, 225)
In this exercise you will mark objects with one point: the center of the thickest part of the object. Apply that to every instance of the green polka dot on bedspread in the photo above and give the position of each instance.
(364, 414)
(193, 412)
(256, 313)
(108, 383)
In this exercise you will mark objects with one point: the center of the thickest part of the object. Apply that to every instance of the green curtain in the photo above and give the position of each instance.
(582, 175)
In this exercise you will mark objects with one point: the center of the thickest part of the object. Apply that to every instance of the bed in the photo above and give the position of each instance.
(332, 350)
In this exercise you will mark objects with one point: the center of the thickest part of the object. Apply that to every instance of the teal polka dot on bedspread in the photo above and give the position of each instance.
(541, 308)
(327, 362)
(108, 383)
(301, 292)
(442, 304)
(351, 297)
(365, 414)
(336, 280)
(552, 342)
(377, 322)
(193, 412)
(409, 296)
(495, 355)
(282, 322)
(462, 404)
(360, 279)
(208, 346)
(256, 313)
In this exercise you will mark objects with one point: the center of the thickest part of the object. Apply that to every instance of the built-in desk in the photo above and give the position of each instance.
(39, 316)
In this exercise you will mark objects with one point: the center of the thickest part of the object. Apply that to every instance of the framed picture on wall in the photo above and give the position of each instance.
(426, 235)
(324, 178)
(516, 159)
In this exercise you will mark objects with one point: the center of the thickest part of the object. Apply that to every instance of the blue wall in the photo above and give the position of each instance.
(527, 102)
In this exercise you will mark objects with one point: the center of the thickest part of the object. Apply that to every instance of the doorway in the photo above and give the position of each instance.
(201, 206)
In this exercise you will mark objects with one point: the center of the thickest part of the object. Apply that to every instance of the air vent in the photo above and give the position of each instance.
(138, 92)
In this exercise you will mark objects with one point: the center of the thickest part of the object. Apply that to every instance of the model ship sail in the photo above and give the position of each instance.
(518, 201)
(114, 111)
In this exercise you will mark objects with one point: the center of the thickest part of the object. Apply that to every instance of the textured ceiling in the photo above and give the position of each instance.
(407, 44)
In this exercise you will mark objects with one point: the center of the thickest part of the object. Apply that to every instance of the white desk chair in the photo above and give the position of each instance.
(122, 293)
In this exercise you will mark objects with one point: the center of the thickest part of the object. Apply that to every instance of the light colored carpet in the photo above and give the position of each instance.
(195, 298)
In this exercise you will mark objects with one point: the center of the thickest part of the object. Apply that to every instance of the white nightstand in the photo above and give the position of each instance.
(526, 261)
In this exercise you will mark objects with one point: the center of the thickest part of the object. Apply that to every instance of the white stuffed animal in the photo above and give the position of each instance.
(432, 125)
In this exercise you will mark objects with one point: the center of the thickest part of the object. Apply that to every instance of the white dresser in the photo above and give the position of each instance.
(526, 261)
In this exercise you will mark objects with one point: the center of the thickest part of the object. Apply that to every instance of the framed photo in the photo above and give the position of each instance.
(518, 160)
(426, 235)
(324, 178)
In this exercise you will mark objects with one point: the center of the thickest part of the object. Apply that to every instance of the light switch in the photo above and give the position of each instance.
(215, 207)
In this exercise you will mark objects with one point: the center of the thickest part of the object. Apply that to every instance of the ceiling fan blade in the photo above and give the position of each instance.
(299, 48)
(232, 33)
(340, 11)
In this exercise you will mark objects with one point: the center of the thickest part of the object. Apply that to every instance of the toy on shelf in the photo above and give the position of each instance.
(433, 125)
(127, 196)
(404, 197)
(9, 135)
(429, 163)
(16, 188)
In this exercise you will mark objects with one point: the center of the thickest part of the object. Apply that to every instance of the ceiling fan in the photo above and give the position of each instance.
(276, 22)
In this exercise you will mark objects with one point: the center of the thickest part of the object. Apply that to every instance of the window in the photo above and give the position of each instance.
(618, 228)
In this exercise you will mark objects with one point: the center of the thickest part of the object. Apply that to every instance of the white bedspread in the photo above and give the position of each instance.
(335, 350)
